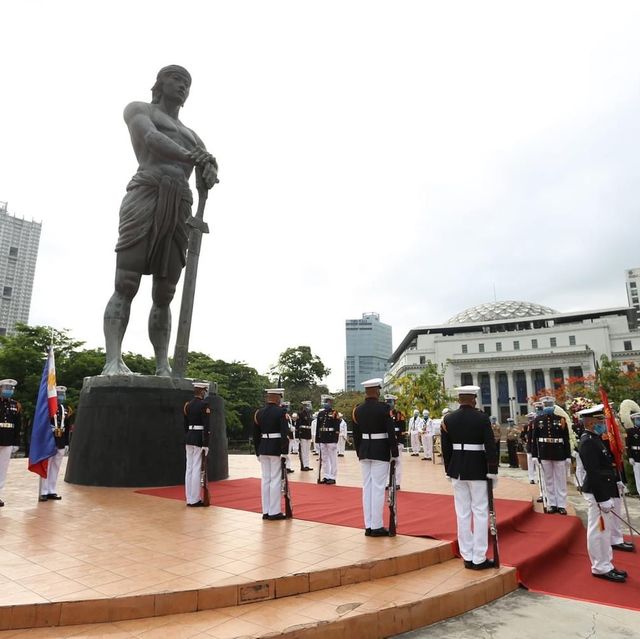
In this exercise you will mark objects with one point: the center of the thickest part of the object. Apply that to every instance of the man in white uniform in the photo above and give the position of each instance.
(415, 426)
(427, 435)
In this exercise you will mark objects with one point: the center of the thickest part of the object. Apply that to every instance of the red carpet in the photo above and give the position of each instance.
(549, 551)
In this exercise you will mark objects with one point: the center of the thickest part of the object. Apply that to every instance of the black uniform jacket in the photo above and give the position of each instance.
(10, 422)
(467, 425)
(374, 418)
(271, 431)
(60, 426)
(303, 427)
(196, 413)
(600, 468)
(551, 438)
(399, 425)
(328, 427)
(633, 443)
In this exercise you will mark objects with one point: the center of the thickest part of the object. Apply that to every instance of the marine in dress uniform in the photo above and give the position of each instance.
(599, 489)
(633, 447)
(553, 448)
(400, 430)
(470, 458)
(303, 433)
(375, 443)
(415, 426)
(10, 425)
(513, 434)
(578, 429)
(327, 433)
(60, 425)
(427, 436)
(342, 436)
(196, 439)
(270, 438)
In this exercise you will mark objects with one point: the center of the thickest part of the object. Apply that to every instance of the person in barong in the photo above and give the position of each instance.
(153, 233)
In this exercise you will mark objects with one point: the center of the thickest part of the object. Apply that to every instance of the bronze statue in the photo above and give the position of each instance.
(154, 215)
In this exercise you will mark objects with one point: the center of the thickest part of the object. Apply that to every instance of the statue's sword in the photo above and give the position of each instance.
(197, 227)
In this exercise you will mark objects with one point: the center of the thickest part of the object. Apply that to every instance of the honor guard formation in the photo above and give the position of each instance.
(466, 440)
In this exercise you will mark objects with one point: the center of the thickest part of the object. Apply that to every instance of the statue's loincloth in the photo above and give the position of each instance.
(154, 213)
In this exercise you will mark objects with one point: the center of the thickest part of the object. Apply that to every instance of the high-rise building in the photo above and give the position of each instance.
(368, 350)
(19, 241)
(633, 286)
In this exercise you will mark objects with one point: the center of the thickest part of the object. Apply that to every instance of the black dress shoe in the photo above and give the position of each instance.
(612, 575)
(1, 503)
(561, 511)
(289, 470)
(265, 516)
(323, 480)
(621, 572)
(531, 481)
(276, 517)
(397, 486)
(340, 455)
(625, 546)
(551, 510)
(539, 500)
(367, 532)
(468, 564)
(44, 498)
(198, 504)
(331, 481)
(54, 496)
(487, 563)
(379, 532)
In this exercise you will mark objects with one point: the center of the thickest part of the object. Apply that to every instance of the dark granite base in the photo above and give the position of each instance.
(129, 431)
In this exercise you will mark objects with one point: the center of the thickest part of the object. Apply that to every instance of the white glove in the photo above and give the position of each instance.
(622, 489)
(606, 506)
(568, 461)
(574, 454)
(66, 450)
(206, 450)
(493, 478)
(283, 456)
(632, 462)
(448, 478)
(14, 449)
(395, 459)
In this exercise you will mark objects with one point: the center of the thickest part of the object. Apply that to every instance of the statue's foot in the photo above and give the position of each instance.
(163, 370)
(116, 367)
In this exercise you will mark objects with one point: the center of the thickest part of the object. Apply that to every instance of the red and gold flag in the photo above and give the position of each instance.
(613, 432)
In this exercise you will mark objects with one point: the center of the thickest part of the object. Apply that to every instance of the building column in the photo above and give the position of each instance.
(511, 390)
(530, 389)
(494, 393)
(565, 376)
(547, 378)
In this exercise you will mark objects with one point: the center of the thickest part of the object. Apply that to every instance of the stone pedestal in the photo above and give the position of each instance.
(129, 431)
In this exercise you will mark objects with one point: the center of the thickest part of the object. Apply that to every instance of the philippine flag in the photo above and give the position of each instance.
(43, 444)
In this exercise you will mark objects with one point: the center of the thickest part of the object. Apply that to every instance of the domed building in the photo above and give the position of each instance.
(514, 349)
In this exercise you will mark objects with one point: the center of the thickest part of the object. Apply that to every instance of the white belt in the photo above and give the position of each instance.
(551, 440)
(375, 435)
(306, 427)
(476, 447)
(6, 425)
(270, 435)
(196, 427)
(635, 447)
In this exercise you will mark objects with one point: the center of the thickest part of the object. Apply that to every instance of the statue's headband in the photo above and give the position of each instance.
(174, 68)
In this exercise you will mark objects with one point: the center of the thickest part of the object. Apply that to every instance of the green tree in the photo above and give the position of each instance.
(613, 380)
(422, 391)
(299, 367)
(346, 401)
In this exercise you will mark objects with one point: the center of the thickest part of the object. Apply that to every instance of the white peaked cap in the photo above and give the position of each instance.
(598, 409)
(8, 382)
(376, 382)
(467, 390)
(274, 391)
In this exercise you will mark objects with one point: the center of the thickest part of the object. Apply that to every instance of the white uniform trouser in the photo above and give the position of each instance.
(555, 482)
(305, 447)
(415, 441)
(5, 457)
(293, 446)
(48, 486)
(581, 474)
(271, 484)
(616, 524)
(192, 473)
(598, 541)
(342, 445)
(636, 474)
(531, 467)
(375, 474)
(472, 503)
(329, 454)
(399, 465)
(427, 445)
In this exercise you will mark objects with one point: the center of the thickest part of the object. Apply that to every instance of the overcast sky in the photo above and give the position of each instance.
(398, 157)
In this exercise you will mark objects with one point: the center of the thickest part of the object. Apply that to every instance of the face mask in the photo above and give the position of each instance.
(547, 410)
(61, 398)
(636, 421)
(326, 405)
(7, 393)
(391, 403)
(599, 429)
